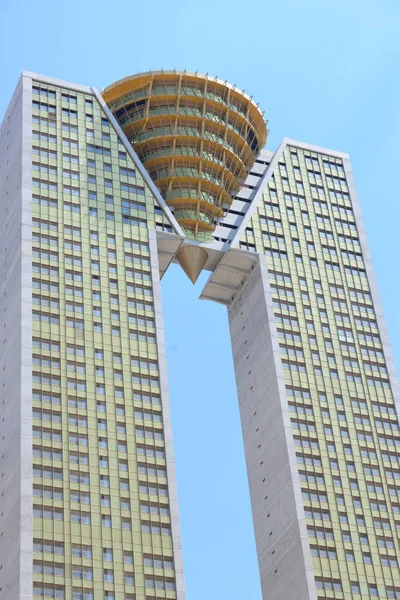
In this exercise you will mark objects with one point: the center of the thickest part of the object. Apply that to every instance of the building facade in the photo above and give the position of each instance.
(89, 504)
(317, 386)
(88, 489)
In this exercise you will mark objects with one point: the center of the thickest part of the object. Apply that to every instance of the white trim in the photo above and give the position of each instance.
(26, 518)
(16, 549)
(166, 416)
(128, 147)
(312, 148)
(76, 87)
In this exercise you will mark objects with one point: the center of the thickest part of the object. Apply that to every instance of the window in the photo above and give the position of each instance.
(80, 517)
(389, 561)
(106, 520)
(328, 584)
(109, 575)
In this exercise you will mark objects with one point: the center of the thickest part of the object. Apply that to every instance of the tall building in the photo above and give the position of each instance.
(98, 195)
(88, 505)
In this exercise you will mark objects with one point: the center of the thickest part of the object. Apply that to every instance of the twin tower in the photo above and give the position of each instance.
(99, 194)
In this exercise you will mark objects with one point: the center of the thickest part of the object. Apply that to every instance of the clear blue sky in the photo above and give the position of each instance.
(325, 73)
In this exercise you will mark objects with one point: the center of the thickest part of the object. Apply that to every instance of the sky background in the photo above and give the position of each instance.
(326, 73)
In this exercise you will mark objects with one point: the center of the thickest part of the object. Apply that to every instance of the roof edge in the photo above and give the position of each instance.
(92, 91)
(205, 76)
(314, 148)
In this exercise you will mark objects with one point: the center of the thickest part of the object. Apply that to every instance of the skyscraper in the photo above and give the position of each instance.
(98, 195)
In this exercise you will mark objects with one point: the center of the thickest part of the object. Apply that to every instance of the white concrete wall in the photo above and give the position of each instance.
(284, 557)
(167, 424)
(16, 349)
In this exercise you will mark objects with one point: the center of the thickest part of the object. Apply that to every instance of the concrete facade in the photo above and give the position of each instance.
(169, 448)
(16, 353)
(280, 527)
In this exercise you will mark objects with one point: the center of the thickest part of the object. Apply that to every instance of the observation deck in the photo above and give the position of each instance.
(198, 137)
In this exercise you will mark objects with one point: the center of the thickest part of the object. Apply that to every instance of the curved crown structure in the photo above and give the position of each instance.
(197, 137)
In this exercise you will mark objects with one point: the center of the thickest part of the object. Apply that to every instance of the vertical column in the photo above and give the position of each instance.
(281, 535)
(26, 519)
(16, 349)
(167, 425)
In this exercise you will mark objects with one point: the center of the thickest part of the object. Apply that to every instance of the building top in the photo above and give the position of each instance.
(197, 136)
